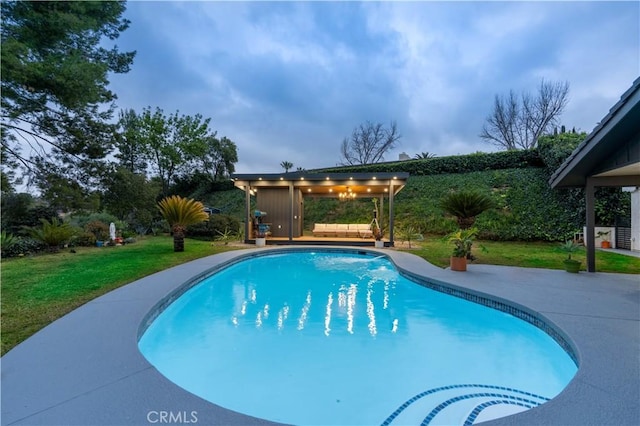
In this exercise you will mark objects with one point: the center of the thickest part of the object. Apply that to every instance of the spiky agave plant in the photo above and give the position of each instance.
(180, 213)
(465, 206)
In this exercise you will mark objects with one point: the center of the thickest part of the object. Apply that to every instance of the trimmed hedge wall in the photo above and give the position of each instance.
(526, 207)
(454, 164)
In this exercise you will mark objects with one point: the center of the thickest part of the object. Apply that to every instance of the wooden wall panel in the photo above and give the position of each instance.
(276, 203)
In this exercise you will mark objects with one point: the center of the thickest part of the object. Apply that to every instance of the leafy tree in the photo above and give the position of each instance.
(55, 103)
(6, 177)
(20, 210)
(127, 193)
(286, 165)
(179, 213)
(465, 206)
(65, 193)
(219, 158)
(131, 151)
(368, 143)
(173, 143)
(15, 208)
(518, 122)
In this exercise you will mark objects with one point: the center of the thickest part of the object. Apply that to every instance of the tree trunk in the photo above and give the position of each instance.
(466, 222)
(178, 238)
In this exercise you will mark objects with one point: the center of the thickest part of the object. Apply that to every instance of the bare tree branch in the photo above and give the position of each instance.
(368, 143)
(518, 123)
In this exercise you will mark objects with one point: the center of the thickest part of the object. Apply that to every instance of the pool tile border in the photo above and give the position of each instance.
(520, 312)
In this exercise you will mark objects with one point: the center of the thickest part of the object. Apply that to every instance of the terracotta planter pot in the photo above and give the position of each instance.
(605, 244)
(458, 263)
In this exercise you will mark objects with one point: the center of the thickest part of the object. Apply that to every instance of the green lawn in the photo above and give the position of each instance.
(526, 255)
(39, 289)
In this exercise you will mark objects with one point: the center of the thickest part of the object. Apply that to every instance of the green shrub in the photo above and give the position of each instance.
(81, 221)
(554, 149)
(212, 228)
(24, 246)
(526, 208)
(53, 234)
(99, 229)
(6, 242)
(408, 233)
(84, 239)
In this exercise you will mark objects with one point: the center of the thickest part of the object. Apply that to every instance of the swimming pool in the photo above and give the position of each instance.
(325, 337)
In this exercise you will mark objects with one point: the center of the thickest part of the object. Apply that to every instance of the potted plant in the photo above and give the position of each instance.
(462, 241)
(261, 238)
(604, 236)
(571, 265)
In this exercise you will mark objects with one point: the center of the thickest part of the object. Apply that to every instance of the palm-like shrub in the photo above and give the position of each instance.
(465, 206)
(53, 234)
(6, 242)
(409, 233)
(179, 213)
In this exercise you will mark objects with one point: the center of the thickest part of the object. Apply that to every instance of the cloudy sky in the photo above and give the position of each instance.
(290, 80)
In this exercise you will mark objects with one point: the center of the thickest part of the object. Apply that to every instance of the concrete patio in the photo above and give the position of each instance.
(85, 368)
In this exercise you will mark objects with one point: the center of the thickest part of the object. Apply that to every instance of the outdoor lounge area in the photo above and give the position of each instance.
(342, 230)
(279, 200)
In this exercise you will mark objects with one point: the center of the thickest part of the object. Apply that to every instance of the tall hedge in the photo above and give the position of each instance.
(453, 164)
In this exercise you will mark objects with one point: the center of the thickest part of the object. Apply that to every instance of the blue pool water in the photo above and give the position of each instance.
(340, 338)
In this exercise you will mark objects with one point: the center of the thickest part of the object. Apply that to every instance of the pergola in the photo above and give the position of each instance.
(281, 194)
(609, 156)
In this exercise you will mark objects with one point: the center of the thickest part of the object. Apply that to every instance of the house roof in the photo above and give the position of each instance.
(611, 149)
(325, 184)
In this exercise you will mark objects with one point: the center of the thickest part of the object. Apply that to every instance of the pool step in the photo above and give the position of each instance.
(463, 404)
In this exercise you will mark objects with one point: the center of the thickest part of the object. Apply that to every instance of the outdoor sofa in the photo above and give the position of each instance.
(343, 230)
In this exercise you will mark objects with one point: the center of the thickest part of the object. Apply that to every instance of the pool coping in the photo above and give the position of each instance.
(85, 368)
